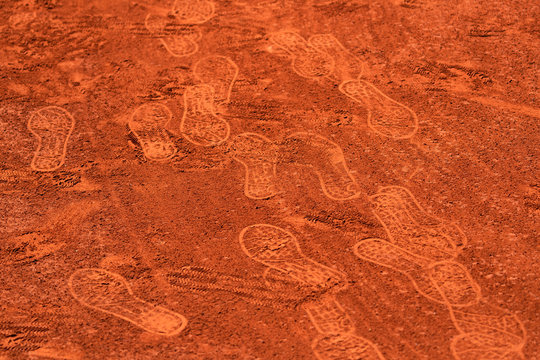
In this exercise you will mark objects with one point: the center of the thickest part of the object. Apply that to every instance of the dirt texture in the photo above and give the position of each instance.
(269, 179)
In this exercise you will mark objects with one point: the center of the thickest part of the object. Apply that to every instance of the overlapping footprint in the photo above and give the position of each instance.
(52, 126)
(110, 293)
(415, 267)
(277, 248)
(148, 123)
(200, 124)
(329, 317)
(336, 330)
(455, 284)
(475, 346)
(409, 226)
(421, 271)
(307, 61)
(491, 321)
(324, 56)
(218, 71)
(259, 156)
(346, 65)
(386, 117)
(489, 327)
(486, 331)
(327, 160)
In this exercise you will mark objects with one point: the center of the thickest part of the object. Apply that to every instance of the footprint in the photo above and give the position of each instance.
(329, 317)
(278, 249)
(200, 124)
(193, 11)
(346, 347)
(259, 156)
(178, 41)
(347, 66)
(182, 45)
(409, 226)
(307, 61)
(110, 293)
(218, 71)
(414, 267)
(450, 283)
(454, 283)
(473, 346)
(148, 124)
(493, 322)
(326, 159)
(52, 125)
(386, 117)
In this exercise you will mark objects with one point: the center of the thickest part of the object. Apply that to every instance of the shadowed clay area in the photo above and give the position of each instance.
(269, 179)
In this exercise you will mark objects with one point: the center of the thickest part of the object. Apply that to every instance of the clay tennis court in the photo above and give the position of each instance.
(269, 179)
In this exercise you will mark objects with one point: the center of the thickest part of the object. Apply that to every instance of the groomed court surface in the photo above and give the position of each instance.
(269, 179)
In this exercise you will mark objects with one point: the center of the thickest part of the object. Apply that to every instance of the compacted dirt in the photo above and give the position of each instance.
(269, 179)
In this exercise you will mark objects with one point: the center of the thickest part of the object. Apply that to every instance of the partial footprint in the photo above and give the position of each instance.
(329, 317)
(474, 346)
(386, 117)
(444, 282)
(307, 61)
(411, 227)
(347, 66)
(414, 267)
(108, 292)
(326, 159)
(148, 124)
(193, 11)
(200, 124)
(454, 283)
(493, 322)
(259, 156)
(52, 126)
(218, 71)
(277, 248)
(178, 41)
(345, 347)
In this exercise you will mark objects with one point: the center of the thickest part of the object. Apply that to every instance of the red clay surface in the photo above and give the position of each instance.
(269, 179)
